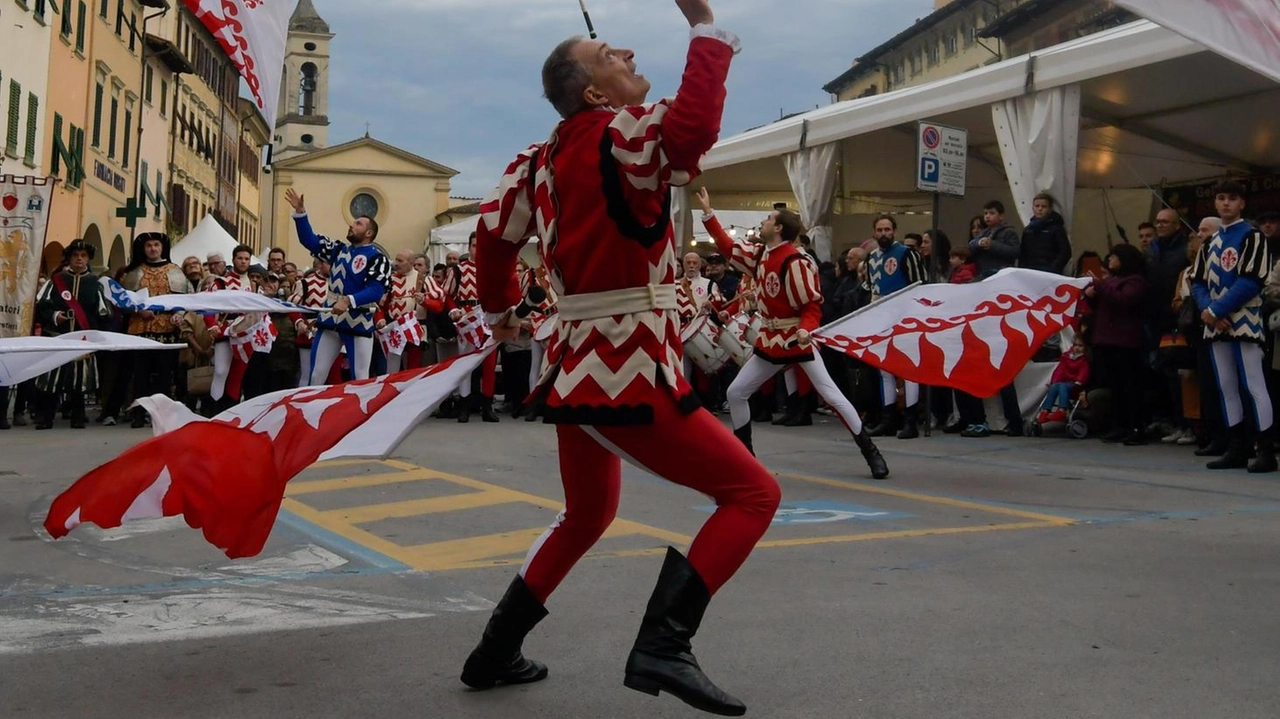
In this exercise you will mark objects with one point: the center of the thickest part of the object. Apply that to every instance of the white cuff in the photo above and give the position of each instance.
(296, 215)
(724, 36)
(706, 216)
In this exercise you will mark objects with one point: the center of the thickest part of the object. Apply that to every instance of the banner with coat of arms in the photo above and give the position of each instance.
(24, 217)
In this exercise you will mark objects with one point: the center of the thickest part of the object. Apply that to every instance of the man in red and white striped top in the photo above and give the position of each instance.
(597, 195)
(463, 294)
(790, 304)
(399, 301)
(310, 291)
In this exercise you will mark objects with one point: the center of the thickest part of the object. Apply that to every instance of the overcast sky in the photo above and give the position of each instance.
(458, 81)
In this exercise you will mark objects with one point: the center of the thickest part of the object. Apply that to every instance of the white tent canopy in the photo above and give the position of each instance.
(1155, 109)
(208, 236)
(452, 237)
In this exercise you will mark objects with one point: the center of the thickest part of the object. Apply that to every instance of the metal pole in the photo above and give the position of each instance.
(928, 389)
(142, 87)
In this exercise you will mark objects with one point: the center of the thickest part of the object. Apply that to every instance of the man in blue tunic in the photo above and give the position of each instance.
(1226, 280)
(893, 266)
(358, 277)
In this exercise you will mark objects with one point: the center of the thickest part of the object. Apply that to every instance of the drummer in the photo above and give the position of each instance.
(695, 296)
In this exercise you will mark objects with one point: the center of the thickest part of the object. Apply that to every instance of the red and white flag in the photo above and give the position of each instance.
(257, 337)
(227, 475)
(253, 34)
(472, 328)
(400, 333)
(975, 337)
(1246, 31)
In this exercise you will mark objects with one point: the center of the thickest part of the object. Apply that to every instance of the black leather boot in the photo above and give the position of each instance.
(1265, 458)
(871, 453)
(46, 405)
(662, 657)
(497, 659)
(792, 413)
(743, 433)
(1237, 454)
(803, 416)
(888, 425)
(760, 408)
(75, 410)
(910, 425)
(1216, 448)
(486, 410)
(465, 405)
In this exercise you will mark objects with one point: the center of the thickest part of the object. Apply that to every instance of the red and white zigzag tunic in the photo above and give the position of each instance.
(311, 291)
(597, 195)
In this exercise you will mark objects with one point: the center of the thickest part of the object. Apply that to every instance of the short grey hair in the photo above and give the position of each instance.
(564, 79)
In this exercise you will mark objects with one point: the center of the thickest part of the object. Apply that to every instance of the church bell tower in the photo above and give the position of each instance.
(303, 124)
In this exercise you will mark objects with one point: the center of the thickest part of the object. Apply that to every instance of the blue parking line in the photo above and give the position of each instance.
(340, 544)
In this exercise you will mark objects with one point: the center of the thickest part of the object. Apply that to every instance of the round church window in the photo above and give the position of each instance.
(310, 47)
(308, 139)
(364, 205)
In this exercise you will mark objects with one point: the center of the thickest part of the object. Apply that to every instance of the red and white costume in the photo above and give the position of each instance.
(597, 195)
(311, 291)
(464, 294)
(228, 367)
(693, 294)
(397, 303)
(789, 299)
(433, 300)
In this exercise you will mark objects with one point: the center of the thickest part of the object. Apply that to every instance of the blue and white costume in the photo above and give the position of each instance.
(361, 273)
(1227, 279)
(889, 270)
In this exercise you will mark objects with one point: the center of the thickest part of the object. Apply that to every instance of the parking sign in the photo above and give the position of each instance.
(942, 154)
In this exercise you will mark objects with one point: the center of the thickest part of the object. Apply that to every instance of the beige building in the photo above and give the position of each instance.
(114, 95)
(944, 43)
(1038, 24)
(254, 133)
(406, 194)
(163, 65)
(24, 80)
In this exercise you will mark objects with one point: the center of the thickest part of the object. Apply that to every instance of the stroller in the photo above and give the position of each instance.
(1074, 421)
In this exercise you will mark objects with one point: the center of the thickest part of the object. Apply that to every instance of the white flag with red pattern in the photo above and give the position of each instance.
(227, 475)
(400, 333)
(1246, 31)
(253, 34)
(974, 337)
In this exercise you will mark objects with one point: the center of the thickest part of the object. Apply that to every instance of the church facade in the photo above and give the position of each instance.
(403, 192)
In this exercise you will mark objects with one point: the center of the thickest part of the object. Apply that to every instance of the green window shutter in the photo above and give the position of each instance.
(133, 31)
(119, 16)
(97, 116)
(80, 17)
(66, 18)
(15, 111)
(102, 8)
(55, 157)
(128, 126)
(77, 154)
(164, 97)
(33, 113)
(111, 131)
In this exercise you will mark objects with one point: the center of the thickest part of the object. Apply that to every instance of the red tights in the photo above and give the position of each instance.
(675, 448)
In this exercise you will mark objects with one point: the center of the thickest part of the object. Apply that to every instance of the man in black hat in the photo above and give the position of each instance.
(151, 269)
(718, 272)
(72, 300)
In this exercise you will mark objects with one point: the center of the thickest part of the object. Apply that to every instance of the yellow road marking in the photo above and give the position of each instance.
(416, 507)
(296, 488)
(344, 529)
(900, 534)
(946, 501)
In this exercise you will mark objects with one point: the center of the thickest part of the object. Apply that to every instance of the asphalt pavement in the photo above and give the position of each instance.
(998, 577)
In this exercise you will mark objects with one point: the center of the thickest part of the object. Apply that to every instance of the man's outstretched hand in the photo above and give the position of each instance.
(697, 12)
(297, 201)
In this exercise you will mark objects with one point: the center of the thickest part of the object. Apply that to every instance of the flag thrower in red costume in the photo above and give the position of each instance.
(790, 305)
(597, 197)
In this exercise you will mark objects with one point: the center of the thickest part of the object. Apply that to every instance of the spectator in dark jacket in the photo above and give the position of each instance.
(1118, 312)
(998, 246)
(1166, 259)
(1045, 245)
(935, 250)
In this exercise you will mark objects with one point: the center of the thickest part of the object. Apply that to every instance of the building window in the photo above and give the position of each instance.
(969, 33)
(148, 77)
(67, 26)
(102, 8)
(133, 31)
(128, 126)
(33, 127)
(81, 11)
(951, 44)
(164, 97)
(915, 63)
(364, 205)
(933, 53)
(111, 128)
(15, 110)
(308, 138)
(39, 11)
(97, 115)
(119, 17)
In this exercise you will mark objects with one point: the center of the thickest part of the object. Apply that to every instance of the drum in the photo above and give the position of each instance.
(545, 328)
(738, 337)
(700, 345)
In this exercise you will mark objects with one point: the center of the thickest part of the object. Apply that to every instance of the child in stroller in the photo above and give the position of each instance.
(1066, 392)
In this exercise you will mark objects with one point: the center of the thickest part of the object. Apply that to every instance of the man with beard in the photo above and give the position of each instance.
(72, 300)
(228, 367)
(151, 269)
(893, 266)
(597, 195)
(358, 280)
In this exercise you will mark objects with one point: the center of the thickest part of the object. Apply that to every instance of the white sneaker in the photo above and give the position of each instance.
(1188, 437)
(1172, 438)
(108, 421)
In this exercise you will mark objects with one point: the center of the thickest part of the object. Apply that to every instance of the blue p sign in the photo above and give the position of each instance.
(928, 169)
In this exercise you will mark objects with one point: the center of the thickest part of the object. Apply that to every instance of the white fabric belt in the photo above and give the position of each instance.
(629, 301)
(780, 324)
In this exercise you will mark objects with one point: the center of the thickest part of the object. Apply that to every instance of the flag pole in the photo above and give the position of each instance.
(591, 29)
